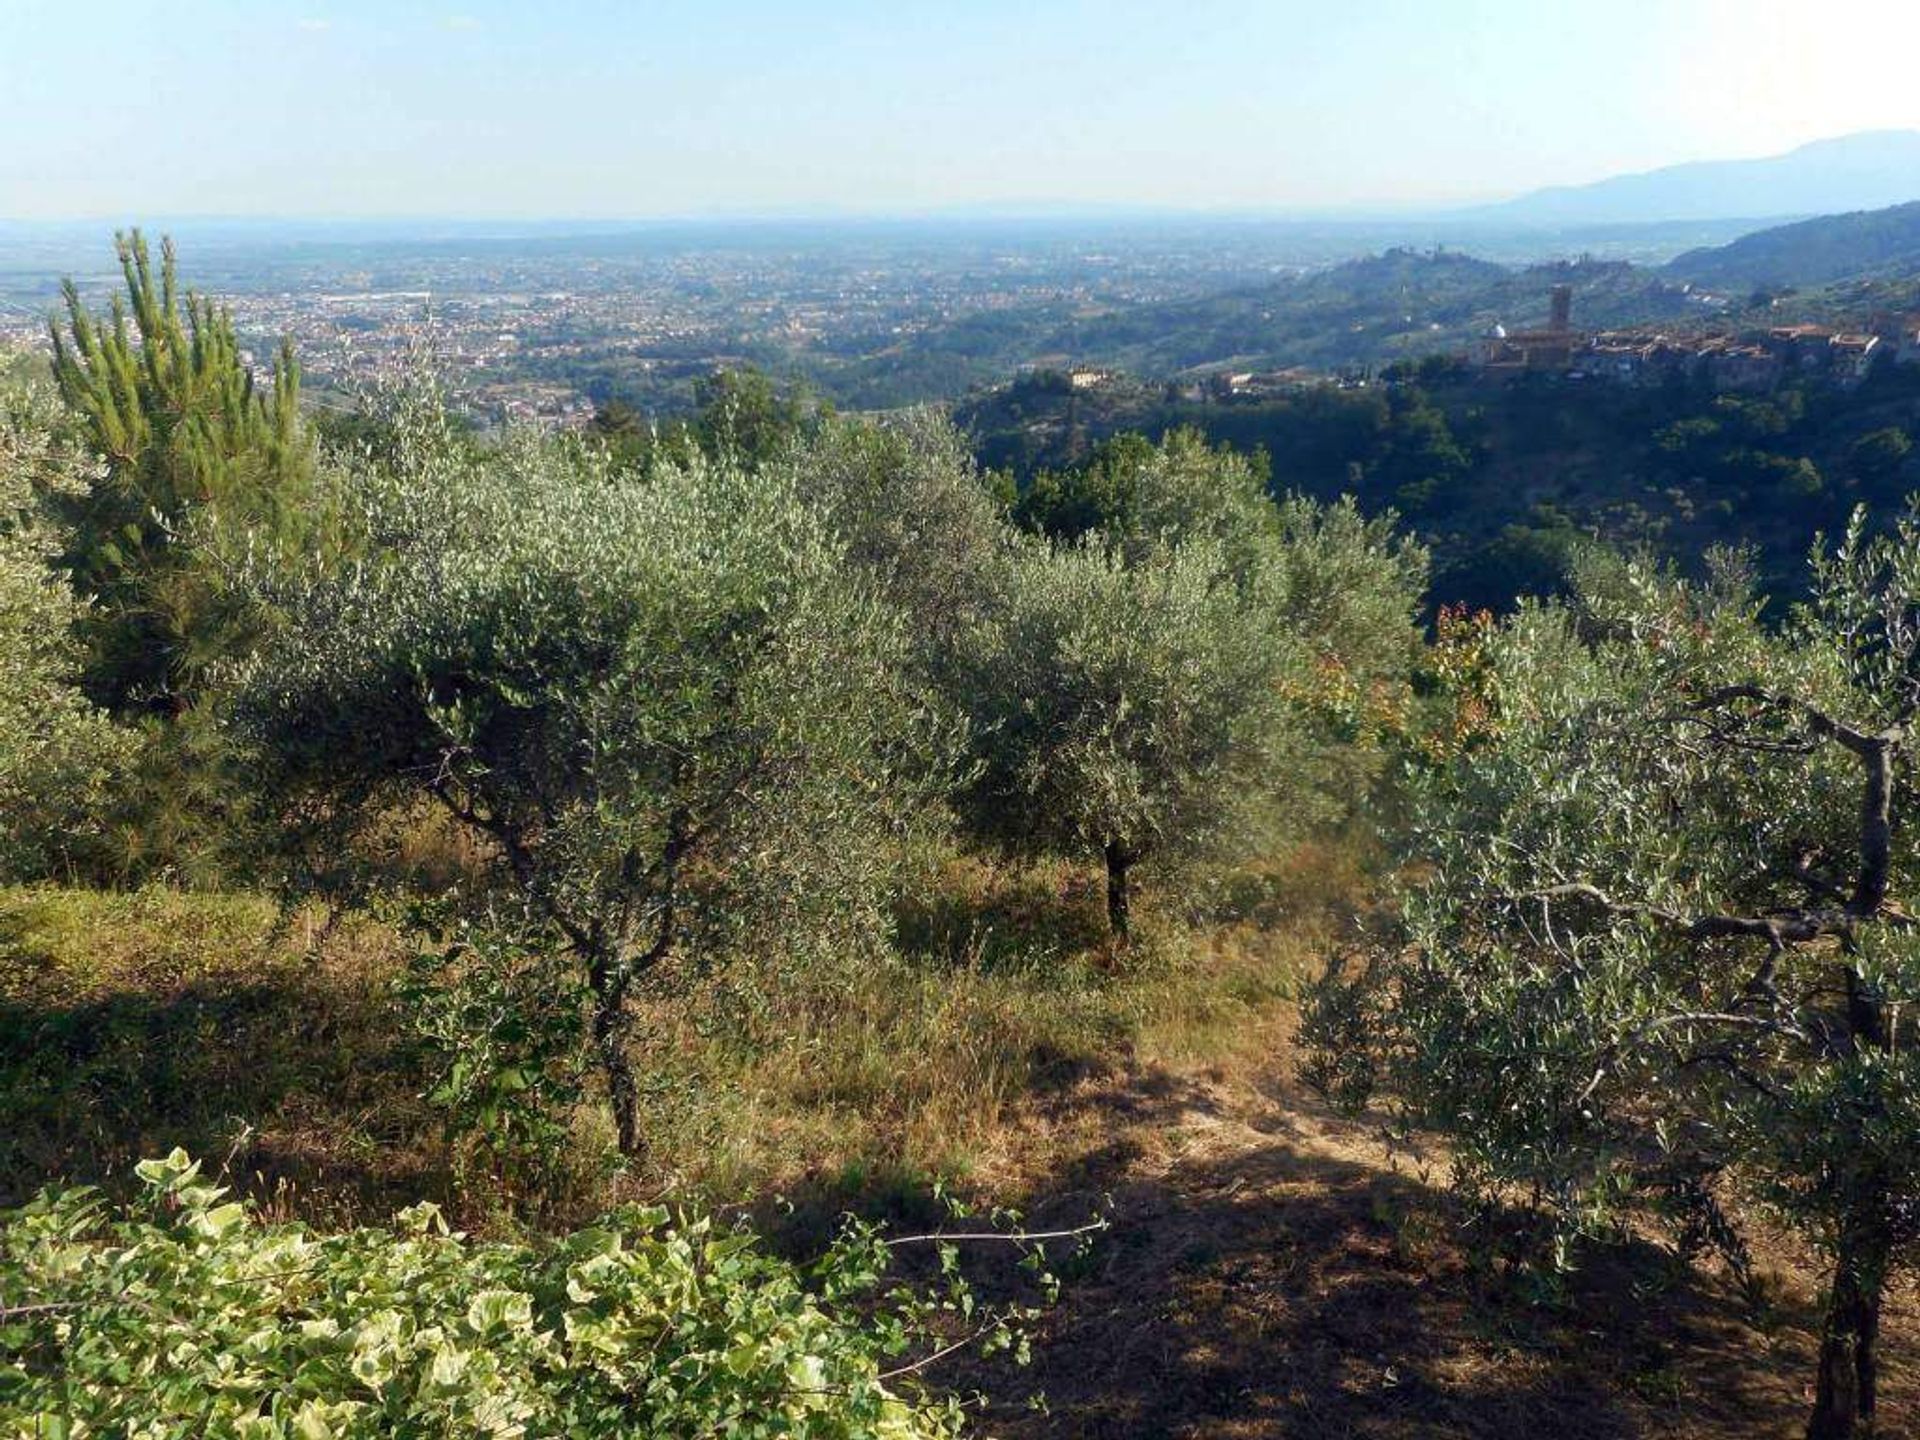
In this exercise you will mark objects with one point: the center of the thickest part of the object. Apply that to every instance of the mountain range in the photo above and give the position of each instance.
(1866, 171)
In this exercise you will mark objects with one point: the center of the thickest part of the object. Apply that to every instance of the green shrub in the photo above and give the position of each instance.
(500, 1022)
(185, 1315)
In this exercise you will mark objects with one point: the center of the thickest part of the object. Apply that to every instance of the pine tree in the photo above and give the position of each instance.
(193, 446)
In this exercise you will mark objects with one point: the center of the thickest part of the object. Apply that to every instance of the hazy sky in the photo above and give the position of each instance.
(570, 108)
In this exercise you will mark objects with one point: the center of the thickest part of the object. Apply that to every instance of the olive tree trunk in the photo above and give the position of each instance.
(609, 989)
(1843, 1404)
(1119, 892)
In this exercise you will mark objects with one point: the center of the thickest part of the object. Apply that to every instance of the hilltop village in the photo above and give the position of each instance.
(1742, 361)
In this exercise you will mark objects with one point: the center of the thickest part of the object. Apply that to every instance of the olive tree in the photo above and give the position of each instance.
(1663, 947)
(1135, 493)
(917, 517)
(1166, 686)
(663, 701)
(1126, 710)
(1164, 703)
(58, 754)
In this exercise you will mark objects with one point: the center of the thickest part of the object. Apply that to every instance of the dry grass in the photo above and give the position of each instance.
(1272, 1271)
(859, 1087)
(130, 1023)
(134, 1022)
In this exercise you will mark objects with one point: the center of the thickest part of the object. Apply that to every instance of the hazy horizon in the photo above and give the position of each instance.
(584, 111)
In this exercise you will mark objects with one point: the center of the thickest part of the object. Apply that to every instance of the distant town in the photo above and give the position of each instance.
(548, 330)
(1751, 360)
(552, 331)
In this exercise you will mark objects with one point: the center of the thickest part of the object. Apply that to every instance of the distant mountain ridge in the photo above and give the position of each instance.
(1864, 244)
(1867, 171)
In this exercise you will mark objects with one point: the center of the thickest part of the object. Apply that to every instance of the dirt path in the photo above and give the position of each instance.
(1272, 1272)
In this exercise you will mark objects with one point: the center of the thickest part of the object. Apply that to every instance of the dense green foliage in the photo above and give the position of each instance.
(659, 699)
(58, 754)
(1505, 482)
(184, 1314)
(917, 519)
(1138, 494)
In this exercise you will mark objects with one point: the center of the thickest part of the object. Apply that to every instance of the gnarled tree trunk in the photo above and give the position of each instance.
(1843, 1404)
(610, 1044)
(1844, 1400)
(612, 968)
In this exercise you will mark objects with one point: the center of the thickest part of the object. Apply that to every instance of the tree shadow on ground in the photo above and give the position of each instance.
(1283, 1282)
(279, 1082)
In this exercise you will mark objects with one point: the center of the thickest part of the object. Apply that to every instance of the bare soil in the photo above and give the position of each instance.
(1275, 1270)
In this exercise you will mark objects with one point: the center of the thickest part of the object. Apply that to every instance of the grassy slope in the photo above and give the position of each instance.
(130, 1023)
(1272, 1269)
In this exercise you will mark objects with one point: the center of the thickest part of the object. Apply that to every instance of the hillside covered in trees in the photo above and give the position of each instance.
(770, 926)
(1505, 483)
(1371, 310)
(1861, 244)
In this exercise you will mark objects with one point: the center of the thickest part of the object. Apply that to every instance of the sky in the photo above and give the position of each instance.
(574, 109)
